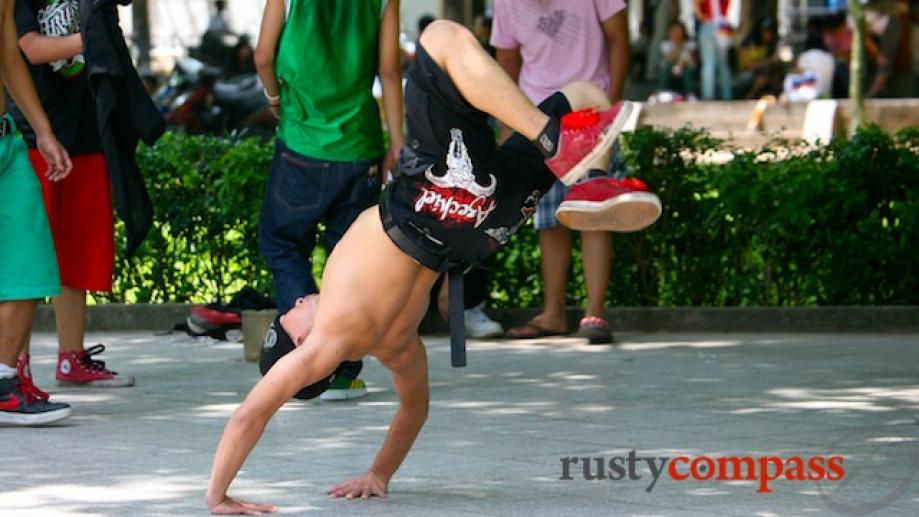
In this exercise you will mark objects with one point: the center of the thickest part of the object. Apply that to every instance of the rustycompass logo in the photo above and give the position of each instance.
(761, 469)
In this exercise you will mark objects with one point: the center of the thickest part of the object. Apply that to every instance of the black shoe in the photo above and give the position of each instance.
(20, 408)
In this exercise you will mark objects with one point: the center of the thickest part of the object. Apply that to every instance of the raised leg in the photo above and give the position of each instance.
(480, 79)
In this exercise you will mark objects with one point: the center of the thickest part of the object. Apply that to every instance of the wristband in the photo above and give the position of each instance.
(273, 100)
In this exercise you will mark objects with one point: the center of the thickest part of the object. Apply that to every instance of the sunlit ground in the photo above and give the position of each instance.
(497, 432)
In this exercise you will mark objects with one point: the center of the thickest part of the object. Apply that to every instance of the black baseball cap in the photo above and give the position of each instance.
(276, 345)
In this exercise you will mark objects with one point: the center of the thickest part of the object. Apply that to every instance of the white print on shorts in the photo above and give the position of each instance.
(503, 234)
(457, 196)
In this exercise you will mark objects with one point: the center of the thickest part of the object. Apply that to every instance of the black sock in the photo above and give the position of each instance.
(547, 141)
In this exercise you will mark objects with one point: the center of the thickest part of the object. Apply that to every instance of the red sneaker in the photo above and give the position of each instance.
(585, 135)
(80, 368)
(24, 372)
(19, 407)
(610, 205)
(203, 319)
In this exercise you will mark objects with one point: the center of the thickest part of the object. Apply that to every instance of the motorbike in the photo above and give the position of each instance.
(198, 100)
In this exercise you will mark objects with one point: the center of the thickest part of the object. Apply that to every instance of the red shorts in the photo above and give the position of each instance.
(80, 214)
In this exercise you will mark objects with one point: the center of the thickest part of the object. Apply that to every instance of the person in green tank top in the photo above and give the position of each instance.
(317, 61)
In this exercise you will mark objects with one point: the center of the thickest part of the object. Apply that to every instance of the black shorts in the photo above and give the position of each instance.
(457, 196)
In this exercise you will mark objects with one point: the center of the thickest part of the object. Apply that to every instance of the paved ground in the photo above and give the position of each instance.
(498, 430)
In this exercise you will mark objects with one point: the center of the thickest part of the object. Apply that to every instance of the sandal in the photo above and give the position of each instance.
(596, 330)
(531, 330)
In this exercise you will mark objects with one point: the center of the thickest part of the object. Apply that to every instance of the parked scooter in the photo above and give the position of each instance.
(201, 102)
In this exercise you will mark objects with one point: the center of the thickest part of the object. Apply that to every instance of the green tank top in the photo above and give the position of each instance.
(326, 62)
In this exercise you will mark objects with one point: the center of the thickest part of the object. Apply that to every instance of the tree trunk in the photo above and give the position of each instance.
(857, 67)
(140, 20)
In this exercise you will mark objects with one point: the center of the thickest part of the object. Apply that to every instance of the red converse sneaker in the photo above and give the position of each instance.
(24, 372)
(585, 135)
(610, 205)
(79, 368)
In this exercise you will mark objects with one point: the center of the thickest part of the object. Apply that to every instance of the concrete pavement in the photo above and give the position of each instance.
(499, 431)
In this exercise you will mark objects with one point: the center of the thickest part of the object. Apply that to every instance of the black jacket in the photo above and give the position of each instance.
(124, 111)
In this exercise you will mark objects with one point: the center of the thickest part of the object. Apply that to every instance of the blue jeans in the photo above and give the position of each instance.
(714, 58)
(301, 193)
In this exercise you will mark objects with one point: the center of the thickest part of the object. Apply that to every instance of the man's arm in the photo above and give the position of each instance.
(18, 81)
(391, 80)
(410, 380)
(879, 83)
(616, 33)
(40, 49)
(265, 51)
(305, 365)
(511, 61)
(697, 9)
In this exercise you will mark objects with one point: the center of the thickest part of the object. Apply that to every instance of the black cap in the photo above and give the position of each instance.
(276, 345)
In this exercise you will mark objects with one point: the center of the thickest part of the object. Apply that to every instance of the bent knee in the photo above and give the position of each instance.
(443, 37)
(585, 94)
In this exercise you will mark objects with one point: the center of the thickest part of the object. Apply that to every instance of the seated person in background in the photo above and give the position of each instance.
(762, 70)
(678, 66)
(813, 76)
(886, 21)
(838, 37)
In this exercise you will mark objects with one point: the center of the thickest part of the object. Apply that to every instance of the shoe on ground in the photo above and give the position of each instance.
(596, 330)
(585, 135)
(479, 325)
(80, 369)
(224, 321)
(205, 320)
(609, 205)
(18, 407)
(344, 388)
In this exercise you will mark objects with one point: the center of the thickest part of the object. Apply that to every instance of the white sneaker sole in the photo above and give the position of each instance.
(629, 212)
(194, 327)
(35, 418)
(607, 139)
(121, 382)
(485, 334)
(343, 394)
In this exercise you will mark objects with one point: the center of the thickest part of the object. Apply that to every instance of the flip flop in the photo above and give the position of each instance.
(531, 330)
(596, 330)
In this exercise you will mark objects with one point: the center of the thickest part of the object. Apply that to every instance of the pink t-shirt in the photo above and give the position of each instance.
(560, 41)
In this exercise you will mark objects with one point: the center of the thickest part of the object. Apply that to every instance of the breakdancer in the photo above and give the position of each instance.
(455, 199)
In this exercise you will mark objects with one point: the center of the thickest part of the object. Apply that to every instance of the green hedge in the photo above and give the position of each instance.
(835, 225)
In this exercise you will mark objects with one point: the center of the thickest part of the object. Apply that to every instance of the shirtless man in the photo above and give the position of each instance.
(28, 270)
(456, 198)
